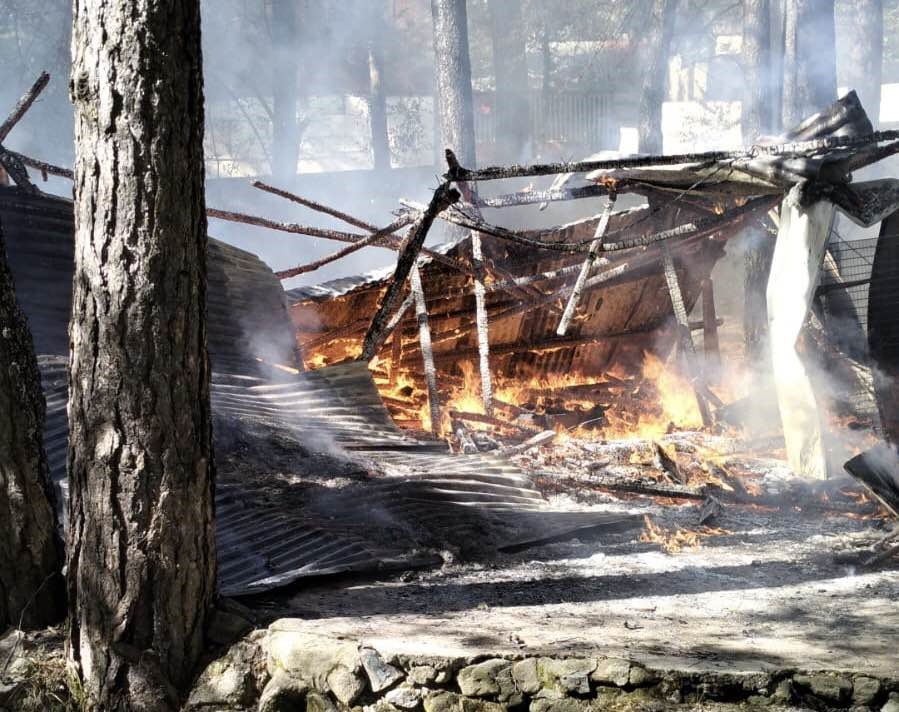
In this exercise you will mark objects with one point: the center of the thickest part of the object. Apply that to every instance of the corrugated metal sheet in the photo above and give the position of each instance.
(414, 499)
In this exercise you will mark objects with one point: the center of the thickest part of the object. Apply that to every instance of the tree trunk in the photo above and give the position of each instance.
(141, 548)
(758, 120)
(510, 71)
(377, 100)
(865, 41)
(453, 66)
(810, 65)
(31, 585)
(285, 130)
(655, 77)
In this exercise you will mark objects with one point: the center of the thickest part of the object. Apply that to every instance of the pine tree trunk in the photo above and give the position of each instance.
(285, 129)
(810, 65)
(865, 42)
(377, 108)
(31, 585)
(141, 548)
(758, 119)
(453, 67)
(511, 77)
(655, 78)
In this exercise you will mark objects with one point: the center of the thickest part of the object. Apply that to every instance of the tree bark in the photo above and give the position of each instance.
(865, 41)
(810, 65)
(141, 548)
(32, 590)
(758, 120)
(510, 71)
(285, 130)
(655, 77)
(452, 64)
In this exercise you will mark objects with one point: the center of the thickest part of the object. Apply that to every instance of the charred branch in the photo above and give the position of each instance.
(443, 197)
(28, 98)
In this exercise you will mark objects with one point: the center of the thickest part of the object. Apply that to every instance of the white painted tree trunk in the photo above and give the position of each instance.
(795, 271)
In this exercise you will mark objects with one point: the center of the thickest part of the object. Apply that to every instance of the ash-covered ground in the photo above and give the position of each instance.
(759, 587)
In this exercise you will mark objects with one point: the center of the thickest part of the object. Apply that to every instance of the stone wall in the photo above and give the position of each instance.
(286, 668)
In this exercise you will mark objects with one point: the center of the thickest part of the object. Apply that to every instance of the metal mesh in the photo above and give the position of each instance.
(853, 260)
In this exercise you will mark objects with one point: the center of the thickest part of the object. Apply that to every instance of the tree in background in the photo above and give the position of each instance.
(510, 70)
(141, 547)
(810, 65)
(452, 65)
(864, 38)
(759, 101)
(285, 69)
(32, 590)
(377, 98)
(655, 77)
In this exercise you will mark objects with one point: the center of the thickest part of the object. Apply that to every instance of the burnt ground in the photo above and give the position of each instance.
(767, 588)
(771, 595)
(774, 584)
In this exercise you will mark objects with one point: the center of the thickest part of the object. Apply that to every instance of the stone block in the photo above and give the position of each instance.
(345, 684)
(481, 680)
(832, 688)
(451, 702)
(227, 681)
(422, 674)
(283, 693)
(570, 675)
(865, 690)
(317, 702)
(612, 671)
(381, 674)
(639, 676)
(525, 677)
(309, 657)
(407, 698)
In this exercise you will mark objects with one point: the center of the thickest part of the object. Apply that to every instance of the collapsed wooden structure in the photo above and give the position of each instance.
(596, 295)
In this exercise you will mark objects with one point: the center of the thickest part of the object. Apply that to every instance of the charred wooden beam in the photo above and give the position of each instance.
(532, 197)
(365, 242)
(44, 168)
(587, 265)
(817, 145)
(710, 343)
(547, 344)
(443, 197)
(28, 98)
(492, 420)
(391, 242)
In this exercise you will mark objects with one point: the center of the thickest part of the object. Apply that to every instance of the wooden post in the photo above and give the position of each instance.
(685, 338)
(795, 269)
(427, 354)
(482, 327)
(710, 342)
